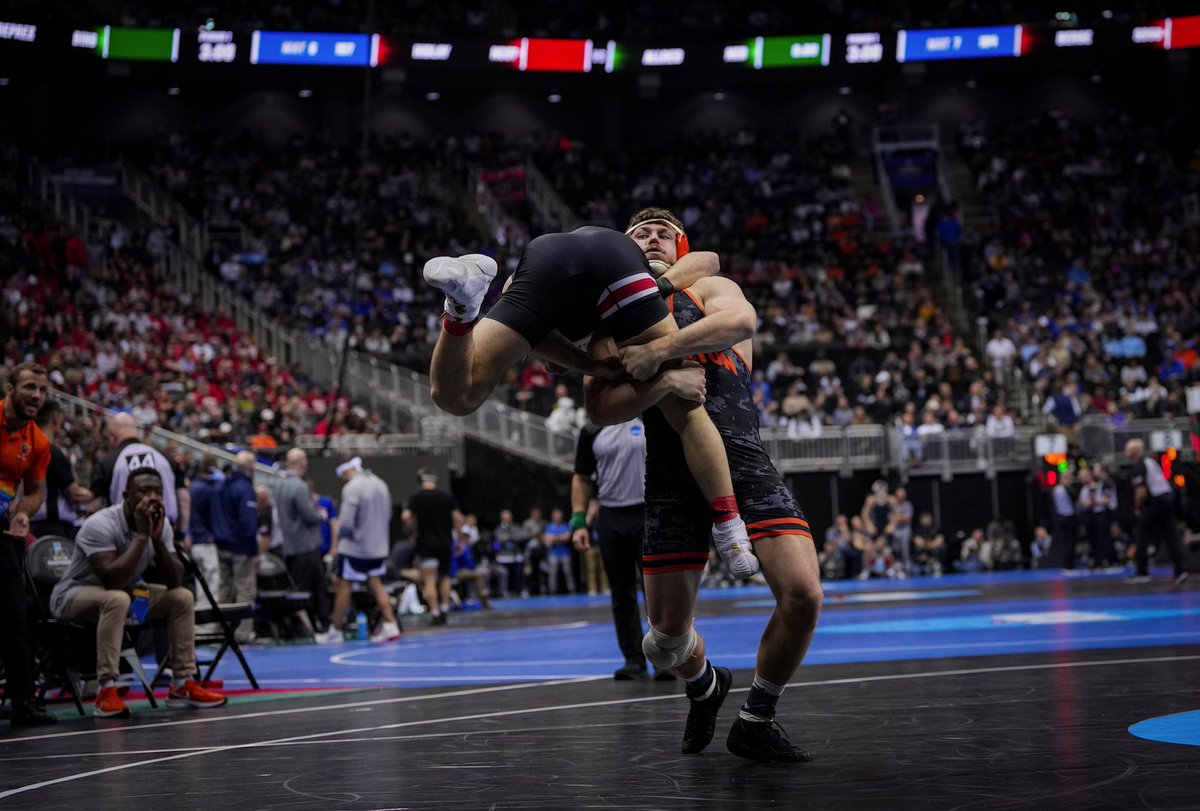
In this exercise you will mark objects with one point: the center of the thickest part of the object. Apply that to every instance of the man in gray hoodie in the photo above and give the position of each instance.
(361, 547)
(300, 523)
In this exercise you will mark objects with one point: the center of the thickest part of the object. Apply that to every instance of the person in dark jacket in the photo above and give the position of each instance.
(206, 489)
(235, 526)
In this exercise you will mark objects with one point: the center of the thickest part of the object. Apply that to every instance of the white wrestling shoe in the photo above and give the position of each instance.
(465, 281)
(733, 545)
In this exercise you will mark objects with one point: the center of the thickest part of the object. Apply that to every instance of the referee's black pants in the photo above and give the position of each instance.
(1157, 522)
(14, 627)
(621, 531)
(308, 573)
(1066, 536)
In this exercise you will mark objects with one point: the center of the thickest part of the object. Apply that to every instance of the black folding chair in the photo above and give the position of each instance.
(280, 604)
(225, 617)
(65, 650)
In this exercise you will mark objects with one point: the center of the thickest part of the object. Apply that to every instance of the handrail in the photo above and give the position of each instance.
(547, 200)
(52, 191)
(162, 207)
(161, 437)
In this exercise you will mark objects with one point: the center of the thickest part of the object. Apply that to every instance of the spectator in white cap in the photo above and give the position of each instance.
(361, 548)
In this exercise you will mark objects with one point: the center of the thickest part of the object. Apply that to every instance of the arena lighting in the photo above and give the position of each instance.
(844, 91)
(554, 98)
(306, 93)
(432, 95)
(173, 91)
(718, 96)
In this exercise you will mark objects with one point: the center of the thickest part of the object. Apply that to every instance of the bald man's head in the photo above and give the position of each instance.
(297, 461)
(1134, 450)
(245, 462)
(122, 427)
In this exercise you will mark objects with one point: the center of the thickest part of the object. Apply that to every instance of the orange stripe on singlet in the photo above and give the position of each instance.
(774, 521)
(758, 536)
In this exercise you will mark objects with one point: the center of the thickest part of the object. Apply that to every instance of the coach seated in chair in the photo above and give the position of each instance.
(113, 550)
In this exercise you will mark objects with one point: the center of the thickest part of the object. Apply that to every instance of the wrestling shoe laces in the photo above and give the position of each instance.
(733, 545)
(701, 722)
(764, 741)
(465, 281)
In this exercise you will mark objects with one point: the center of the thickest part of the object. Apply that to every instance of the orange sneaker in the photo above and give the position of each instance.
(193, 695)
(109, 704)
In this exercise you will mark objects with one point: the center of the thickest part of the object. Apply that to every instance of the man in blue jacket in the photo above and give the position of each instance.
(235, 513)
(206, 489)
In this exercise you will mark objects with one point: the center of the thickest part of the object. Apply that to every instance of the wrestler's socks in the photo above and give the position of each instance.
(760, 704)
(703, 684)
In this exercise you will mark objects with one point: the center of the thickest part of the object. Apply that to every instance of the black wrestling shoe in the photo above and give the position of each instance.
(702, 716)
(764, 741)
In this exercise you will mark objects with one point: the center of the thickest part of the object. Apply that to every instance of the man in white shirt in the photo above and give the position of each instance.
(1000, 423)
(1001, 350)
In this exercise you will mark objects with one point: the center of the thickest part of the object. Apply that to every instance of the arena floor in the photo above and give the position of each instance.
(1026, 690)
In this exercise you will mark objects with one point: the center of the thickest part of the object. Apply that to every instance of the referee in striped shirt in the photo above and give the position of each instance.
(615, 457)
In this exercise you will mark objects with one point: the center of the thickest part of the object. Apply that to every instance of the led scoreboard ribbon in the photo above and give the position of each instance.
(1171, 34)
(780, 52)
(554, 55)
(302, 48)
(590, 56)
(958, 43)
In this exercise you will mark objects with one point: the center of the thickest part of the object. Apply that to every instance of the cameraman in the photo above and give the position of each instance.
(1154, 503)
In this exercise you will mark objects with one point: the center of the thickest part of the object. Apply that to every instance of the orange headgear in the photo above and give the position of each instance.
(681, 240)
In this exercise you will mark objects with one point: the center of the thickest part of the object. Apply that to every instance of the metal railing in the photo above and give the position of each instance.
(546, 199)
(164, 209)
(389, 445)
(163, 439)
(487, 203)
(1098, 439)
(842, 450)
(405, 396)
(56, 195)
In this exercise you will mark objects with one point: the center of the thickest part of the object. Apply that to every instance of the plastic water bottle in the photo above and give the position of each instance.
(139, 606)
(361, 619)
